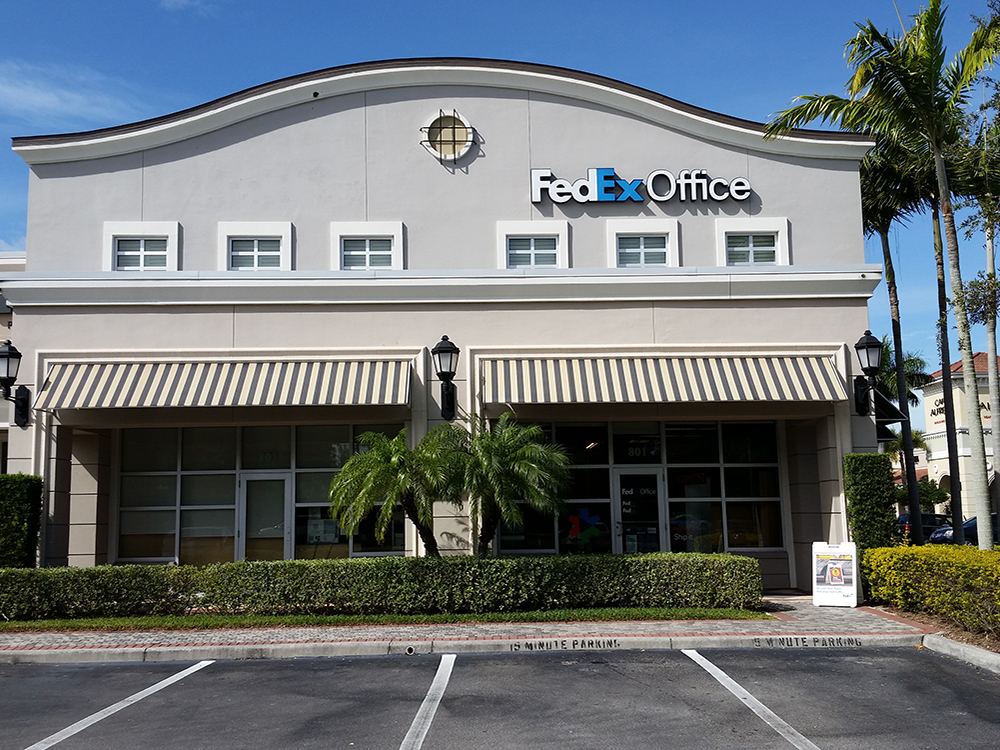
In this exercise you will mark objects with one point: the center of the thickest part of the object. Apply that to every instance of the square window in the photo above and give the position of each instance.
(255, 245)
(752, 241)
(532, 252)
(366, 245)
(533, 244)
(643, 251)
(140, 245)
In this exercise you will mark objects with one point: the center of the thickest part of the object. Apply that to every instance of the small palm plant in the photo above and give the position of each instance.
(504, 465)
(389, 473)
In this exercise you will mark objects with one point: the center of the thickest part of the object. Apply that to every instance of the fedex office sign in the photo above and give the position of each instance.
(603, 185)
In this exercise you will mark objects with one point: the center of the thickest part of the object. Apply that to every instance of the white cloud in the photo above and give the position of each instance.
(58, 96)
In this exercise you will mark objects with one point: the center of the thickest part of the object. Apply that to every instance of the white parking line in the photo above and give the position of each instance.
(422, 721)
(776, 723)
(94, 718)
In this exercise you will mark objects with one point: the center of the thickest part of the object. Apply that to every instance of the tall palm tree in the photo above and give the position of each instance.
(904, 89)
(389, 474)
(887, 381)
(506, 464)
(890, 190)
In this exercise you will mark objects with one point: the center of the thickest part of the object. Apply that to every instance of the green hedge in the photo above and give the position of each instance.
(958, 583)
(20, 516)
(387, 585)
(871, 499)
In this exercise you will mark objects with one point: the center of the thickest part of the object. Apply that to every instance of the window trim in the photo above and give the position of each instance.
(341, 230)
(541, 228)
(140, 230)
(753, 225)
(256, 230)
(644, 227)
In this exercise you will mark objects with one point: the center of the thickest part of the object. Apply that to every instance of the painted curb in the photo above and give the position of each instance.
(493, 645)
(978, 657)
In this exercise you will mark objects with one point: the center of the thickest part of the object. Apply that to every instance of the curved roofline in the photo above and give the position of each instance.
(346, 79)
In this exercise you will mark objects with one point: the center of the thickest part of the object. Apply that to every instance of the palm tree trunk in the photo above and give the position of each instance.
(991, 344)
(947, 391)
(426, 534)
(912, 492)
(977, 482)
(488, 522)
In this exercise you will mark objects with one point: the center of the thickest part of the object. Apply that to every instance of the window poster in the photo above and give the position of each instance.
(835, 580)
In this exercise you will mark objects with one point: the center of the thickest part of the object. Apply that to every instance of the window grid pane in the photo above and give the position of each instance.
(246, 254)
(751, 249)
(363, 253)
(642, 251)
(532, 252)
(140, 253)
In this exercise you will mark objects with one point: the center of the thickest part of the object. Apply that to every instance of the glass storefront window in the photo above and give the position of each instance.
(267, 447)
(147, 534)
(149, 449)
(696, 443)
(754, 524)
(752, 481)
(208, 448)
(148, 491)
(208, 489)
(207, 536)
(585, 528)
(317, 536)
(313, 486)
(636, 442)
(365, 541)
(749, 443)
(586, 444)
(588, 483)
(693, 481)
(536, 534)
(322, 446)
(695, 527)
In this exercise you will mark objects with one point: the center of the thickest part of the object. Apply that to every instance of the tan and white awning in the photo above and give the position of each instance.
(624, 380)
(109, 385)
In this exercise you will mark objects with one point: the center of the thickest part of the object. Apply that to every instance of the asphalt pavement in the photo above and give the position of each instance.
(797, 624)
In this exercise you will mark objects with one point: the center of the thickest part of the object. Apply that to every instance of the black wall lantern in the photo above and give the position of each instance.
(445, 355)
(869, 351)
(10, 363)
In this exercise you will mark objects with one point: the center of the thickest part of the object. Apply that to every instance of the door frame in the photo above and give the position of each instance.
(618, 538)
(243, 479)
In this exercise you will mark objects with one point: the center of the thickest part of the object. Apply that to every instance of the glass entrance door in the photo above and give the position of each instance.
(638, 510)
(265, 528)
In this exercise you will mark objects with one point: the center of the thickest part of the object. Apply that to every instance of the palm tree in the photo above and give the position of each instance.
(887, 382)
(891, 188)
(507, 464)
(903, 89)
(388, 474)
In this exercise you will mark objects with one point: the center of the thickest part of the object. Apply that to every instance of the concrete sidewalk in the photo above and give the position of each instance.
(797, 625)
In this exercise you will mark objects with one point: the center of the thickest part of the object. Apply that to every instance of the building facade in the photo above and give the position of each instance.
(936, 436)
(217, 302)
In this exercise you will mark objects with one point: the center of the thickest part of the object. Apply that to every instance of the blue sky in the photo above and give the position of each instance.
(67, 65)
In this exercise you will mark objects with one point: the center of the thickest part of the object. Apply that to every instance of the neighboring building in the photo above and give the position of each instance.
(218, 301)
(936, 436)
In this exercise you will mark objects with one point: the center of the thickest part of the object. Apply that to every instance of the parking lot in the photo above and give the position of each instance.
(886, 698)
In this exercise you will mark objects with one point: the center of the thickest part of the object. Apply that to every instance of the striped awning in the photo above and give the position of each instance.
(640, 380)
(109, 385)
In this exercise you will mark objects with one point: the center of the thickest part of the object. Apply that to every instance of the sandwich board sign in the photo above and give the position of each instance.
(835, 574)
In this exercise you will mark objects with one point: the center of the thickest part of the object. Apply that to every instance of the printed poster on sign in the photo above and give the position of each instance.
(835, 582)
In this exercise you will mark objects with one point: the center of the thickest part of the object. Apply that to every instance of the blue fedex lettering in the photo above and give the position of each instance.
(602, 185)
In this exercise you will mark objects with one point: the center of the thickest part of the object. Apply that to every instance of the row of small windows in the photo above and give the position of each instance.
(520, 251)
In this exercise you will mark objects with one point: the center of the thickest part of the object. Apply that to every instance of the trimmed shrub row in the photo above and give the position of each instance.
(388, 585)
(871, 499)
(20, 516)
(958, 583)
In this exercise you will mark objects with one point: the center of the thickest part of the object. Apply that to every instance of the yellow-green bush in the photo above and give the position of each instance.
(958, 583)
